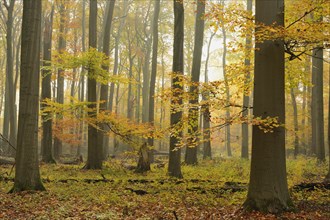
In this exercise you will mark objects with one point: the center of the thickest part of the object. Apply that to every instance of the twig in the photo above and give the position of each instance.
(304, 15)
(5, 139)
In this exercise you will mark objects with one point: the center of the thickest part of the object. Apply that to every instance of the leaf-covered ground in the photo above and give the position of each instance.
(212, 190)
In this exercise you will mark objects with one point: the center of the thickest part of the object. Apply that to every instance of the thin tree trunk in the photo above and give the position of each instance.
(225, 77)
(246, 95)
(58, 145)
(207, 150)
(82, 80)
(103, 140)
(295, 122)
(153, 73)
(47, 119)
(10, 75)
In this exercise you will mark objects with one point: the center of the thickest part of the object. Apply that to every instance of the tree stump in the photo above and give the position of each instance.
(144, 160)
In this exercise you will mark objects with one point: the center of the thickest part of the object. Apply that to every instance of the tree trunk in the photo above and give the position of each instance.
(327, 178)
(144, 160)
(47, 119)
(207, 150)
(103, 140)
(268, 189)
(225, 77)
(246, 95)
(295, 122)
(174, 164)
(58, 145)
(94, 159)
(10, 75)
(153, 72)
(317, 104)
(27, 176)
(82, 80)
(191, 150)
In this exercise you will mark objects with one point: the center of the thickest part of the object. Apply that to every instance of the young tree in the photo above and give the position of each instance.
(191, 150)
(27, 176)
(47, 132)
(246, 95)
(268, 189)
(207, 150)
(94, 159)
(327, 178)
(174, 164)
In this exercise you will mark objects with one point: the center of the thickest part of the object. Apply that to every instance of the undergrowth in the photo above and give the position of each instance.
(211, 189)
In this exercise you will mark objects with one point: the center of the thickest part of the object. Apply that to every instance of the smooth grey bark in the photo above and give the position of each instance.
(82, 78)
(116, 54)
(58, 145)
(174, 164)
(246, 95)
(10, 75)
(193, 114)
(94, 158)
(295, 122)
(225, 77)
(153, 69)
(47, 119)
(327, 178)
(268, 188)
(146, 70)
(207, 150)
(103, 140)
(27, 175)
(317, 104)
(5, 128)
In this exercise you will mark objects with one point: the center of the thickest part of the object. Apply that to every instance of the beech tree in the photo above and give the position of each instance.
(27, 176)
(47, 123)
(174, 164)
(94, 157)
(191, 150)
(268, 188)
(153, 67)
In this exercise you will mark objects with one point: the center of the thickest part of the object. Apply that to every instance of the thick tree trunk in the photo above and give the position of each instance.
(268, 189)
(94, 159)
(191, 150)
(174, 164)
(47, 119)
(317, 105)
(246, 95)
(27, 176)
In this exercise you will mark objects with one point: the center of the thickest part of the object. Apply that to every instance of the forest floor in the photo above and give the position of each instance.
(214, 189)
